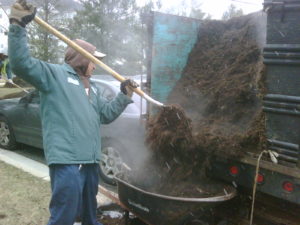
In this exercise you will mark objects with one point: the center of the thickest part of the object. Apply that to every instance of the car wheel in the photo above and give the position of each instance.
(7, 138)
(111, 162)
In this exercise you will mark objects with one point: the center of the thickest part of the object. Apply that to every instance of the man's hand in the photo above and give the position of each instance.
(22, 13)
(127, 87)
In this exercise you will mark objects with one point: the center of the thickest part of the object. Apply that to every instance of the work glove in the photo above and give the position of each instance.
(127, 87)
(22, 13)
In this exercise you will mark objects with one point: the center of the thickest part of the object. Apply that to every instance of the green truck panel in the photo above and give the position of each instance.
(173, 38)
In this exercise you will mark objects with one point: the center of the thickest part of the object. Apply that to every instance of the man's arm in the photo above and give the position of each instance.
(34, 71)
(110, 110)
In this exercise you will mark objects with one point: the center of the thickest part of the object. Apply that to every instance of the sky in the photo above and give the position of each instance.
(215, 8)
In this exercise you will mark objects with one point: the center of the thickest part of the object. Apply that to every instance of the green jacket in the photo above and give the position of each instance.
(5, 69)
(70, 119)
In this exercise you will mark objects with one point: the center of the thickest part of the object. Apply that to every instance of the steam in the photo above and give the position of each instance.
(260, 21)
(248, 33)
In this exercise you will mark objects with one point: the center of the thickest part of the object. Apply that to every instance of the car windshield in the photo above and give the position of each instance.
(109, 91)
(139, 102)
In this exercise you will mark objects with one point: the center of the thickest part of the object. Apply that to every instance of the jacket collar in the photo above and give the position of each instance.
(70, 69)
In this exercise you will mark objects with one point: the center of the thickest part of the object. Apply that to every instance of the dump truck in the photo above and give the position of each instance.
(171, 39)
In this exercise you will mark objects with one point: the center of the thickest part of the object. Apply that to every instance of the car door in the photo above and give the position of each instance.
(27, 115)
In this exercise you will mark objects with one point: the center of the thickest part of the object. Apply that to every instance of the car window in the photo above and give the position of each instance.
(132, 109)
(32, 97)
(109, 92)
(105, 91)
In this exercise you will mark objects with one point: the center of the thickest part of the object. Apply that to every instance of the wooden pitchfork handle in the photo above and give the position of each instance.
(92, 58)
(23, 89)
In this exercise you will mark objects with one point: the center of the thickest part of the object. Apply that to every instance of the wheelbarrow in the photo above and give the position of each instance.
(158, 209)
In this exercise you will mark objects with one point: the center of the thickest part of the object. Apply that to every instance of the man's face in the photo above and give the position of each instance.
(90, 69)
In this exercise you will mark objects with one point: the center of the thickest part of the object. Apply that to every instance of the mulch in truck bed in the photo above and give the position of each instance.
(220, 92)
(220, 97)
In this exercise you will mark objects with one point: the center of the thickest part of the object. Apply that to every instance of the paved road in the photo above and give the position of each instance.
(32, 153)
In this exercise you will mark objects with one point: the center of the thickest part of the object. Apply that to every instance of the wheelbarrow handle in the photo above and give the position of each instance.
(92, 58)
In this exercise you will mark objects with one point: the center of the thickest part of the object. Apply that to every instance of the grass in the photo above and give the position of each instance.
(24, 198)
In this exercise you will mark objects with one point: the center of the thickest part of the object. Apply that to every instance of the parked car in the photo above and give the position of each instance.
(20, 123)
(140, 102)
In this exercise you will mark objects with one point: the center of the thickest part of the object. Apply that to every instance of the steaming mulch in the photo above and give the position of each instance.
(221, 92)
(222, 86)
(220, 97)
(170, 132)
(175, 159)
(178, 181)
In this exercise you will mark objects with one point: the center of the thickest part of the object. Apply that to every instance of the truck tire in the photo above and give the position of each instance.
(7, 137)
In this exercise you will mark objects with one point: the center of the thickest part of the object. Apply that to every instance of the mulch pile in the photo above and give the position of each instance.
(222, 87)
(169, 132)
(220, 97)
(220, 90)
(219, 110)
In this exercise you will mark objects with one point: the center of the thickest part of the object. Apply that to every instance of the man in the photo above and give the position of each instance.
(5, 71)
(72, 111)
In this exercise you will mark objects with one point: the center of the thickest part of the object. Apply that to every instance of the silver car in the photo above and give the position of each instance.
(20, 123)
